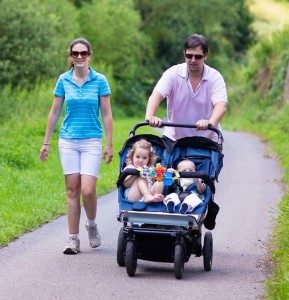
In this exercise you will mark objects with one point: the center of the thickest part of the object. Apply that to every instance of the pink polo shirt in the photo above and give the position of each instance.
(186, 106)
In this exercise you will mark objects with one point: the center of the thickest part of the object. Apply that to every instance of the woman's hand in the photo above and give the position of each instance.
(44, 151)
(107, 154)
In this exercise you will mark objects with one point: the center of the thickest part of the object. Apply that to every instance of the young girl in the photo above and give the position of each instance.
(146, 189)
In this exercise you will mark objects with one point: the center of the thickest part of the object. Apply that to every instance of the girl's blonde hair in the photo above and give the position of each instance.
(144, 144)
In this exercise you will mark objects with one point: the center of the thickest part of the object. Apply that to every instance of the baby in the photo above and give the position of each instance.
(142, 188)
(196, 189)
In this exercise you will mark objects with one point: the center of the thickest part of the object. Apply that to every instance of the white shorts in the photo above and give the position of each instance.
(80, 156)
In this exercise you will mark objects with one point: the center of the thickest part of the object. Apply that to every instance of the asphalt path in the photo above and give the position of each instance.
(248, 192)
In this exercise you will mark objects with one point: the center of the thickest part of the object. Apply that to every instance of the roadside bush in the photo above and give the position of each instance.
(34, 39)
(226, 24)
(113, 29)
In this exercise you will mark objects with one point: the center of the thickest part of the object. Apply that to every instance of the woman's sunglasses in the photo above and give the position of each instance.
(196, 56)
(83, 54)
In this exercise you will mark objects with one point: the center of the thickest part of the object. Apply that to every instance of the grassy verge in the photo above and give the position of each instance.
(257, 105)
(32, 192)
(275, 133)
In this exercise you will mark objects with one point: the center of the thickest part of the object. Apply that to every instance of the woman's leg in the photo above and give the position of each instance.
(88, 191)
(73, 184)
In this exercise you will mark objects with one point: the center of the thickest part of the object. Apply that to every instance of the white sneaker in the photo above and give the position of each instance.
(73, 246)
(93, 236)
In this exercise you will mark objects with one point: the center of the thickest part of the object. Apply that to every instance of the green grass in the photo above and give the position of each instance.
(32, 192)
(270, 16)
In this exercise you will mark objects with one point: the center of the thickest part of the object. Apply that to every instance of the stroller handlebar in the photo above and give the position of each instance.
(166, 124)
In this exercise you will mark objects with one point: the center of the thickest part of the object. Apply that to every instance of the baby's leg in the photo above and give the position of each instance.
(134, 193)
(172, 197)
(157, 188)
(146, 193)
(171, 201)
(192, 201)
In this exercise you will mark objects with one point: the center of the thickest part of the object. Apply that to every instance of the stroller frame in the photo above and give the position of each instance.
(161, 236)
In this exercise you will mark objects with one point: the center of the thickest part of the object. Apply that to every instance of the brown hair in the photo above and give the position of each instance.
(144, 144)
(82, 41)
(196, 40)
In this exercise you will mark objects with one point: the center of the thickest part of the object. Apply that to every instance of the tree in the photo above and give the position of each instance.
(33, 42)
(226, 24)
(113, 29)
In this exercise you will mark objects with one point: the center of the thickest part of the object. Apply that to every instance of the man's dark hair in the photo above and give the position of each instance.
(196, 40)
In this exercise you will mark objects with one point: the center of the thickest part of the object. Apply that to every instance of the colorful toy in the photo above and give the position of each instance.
(160, 170)
(159, 173)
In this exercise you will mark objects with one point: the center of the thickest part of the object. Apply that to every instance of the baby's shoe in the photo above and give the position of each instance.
(171, 206)
(184, 208)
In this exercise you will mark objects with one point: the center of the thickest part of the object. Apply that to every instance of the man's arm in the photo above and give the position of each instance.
(216, 117)
(152, 107)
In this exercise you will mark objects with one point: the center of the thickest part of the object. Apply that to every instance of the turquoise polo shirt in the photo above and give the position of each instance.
(82, 102)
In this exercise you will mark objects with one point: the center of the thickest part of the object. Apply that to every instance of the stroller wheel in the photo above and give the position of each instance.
(179, 261)
(120, 254)
(208, 251)
(130, 258)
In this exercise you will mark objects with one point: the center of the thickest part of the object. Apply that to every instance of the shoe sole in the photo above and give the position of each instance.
(71, 251)
(171, 207)
(95, 246)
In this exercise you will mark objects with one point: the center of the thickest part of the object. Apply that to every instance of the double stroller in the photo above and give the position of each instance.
(148, 231)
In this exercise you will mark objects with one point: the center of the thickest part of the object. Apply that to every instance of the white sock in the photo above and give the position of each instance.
(90, 222)
(74, 235)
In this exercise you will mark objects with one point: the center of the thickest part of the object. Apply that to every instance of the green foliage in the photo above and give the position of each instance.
(118, 42)
(257, 105)
(225, 23)
(32, 192)
(79, 3)
(33, 42)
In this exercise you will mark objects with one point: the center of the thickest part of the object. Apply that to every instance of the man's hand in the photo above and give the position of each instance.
(155, 121)
(202, 124)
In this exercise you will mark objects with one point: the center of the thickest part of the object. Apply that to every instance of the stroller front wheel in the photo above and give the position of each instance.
(120, 254)
(208, 251)
(179, 260)
(130, 258)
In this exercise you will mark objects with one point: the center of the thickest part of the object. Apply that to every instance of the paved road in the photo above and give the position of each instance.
(33, 267)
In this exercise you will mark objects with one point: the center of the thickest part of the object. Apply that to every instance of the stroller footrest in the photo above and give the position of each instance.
(159, 218)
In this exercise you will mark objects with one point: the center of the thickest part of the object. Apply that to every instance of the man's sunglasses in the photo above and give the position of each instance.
(83, 54)
(196, 56)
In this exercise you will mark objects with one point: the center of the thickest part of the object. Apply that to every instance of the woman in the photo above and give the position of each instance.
(85, 93)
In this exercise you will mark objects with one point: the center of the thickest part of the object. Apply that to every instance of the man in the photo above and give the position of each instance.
(195, 93)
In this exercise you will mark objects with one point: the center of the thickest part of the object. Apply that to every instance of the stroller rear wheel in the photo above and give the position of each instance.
(120, 254)
(208, 251)
(179, 260)
(130, 258)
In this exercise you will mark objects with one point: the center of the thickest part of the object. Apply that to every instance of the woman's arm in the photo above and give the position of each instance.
(106, 114)
(53, 118)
